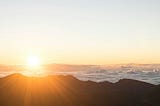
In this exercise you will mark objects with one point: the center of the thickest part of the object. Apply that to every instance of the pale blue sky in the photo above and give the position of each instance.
(80, 31)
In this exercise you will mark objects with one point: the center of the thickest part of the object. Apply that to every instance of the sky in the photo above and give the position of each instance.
(80, 31)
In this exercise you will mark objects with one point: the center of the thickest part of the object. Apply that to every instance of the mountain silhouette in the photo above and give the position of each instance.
(59, 90)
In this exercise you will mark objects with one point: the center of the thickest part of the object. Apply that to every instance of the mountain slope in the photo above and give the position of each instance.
(19, 90)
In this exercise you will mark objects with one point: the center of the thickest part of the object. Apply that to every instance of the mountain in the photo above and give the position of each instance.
(59, 90)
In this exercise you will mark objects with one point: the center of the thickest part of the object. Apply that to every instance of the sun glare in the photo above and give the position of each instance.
(33, 67)
(33, 61)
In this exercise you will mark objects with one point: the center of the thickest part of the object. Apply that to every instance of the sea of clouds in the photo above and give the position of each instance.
(111, 73)
(146, 73)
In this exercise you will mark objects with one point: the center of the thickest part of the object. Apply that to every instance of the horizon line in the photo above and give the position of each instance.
(1, 64)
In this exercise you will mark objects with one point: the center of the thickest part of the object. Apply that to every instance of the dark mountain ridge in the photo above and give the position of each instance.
(59, 90)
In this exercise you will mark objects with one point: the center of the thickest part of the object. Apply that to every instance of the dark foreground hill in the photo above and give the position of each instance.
(19, 90)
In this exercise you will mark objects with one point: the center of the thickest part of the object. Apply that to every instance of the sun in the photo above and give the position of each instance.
(33, 61)
(33, 67)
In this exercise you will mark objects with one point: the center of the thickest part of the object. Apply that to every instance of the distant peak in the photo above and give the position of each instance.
(16, 75)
